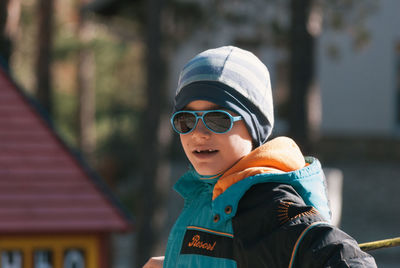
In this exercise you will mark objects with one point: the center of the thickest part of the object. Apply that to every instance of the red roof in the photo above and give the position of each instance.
(43, 186)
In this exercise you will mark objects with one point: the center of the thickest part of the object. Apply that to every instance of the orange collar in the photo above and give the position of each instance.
(279, 155)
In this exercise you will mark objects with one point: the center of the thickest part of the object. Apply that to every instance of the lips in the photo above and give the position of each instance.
(204, 153)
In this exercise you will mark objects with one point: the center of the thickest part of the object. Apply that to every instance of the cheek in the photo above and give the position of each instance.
(236, 146)
(241, 140)
(184, 141)
(242, 146)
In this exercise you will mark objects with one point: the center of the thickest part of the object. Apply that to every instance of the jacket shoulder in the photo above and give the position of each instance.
(263, 225)
(270, 219)
(271, 205)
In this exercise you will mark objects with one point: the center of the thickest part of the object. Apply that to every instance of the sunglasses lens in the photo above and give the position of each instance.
(218, 121)
(184, 122)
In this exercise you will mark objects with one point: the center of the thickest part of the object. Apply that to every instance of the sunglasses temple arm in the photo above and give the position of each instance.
(237, 118)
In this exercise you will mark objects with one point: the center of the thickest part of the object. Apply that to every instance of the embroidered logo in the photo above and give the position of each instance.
(287, 211)
(201, 242)
(197, 243)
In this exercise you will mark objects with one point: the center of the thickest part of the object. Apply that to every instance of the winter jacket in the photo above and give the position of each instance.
(269, 210)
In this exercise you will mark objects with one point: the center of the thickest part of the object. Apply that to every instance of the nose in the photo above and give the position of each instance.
(201, 130)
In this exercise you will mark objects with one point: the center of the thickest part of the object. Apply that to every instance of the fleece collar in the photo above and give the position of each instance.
(279, 155)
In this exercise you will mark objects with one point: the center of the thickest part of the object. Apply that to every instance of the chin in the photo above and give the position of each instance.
(207, 171)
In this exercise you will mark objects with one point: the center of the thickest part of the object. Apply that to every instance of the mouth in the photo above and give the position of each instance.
(206, 152)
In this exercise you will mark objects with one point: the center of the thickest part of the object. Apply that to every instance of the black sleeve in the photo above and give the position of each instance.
(327, 246)
(269, 221)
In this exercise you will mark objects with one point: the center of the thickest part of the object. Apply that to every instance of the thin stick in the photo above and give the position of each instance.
(386, 243)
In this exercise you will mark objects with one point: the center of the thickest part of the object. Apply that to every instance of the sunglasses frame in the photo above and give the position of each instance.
(203, 113)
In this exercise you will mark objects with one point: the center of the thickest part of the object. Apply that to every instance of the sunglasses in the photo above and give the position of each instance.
(217, 121)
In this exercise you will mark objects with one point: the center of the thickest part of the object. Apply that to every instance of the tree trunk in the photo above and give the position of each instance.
(301, 71)
(85, 88)
(10, 11)
(150, 126)
(43, 61)
(5, 42)
(87, 99)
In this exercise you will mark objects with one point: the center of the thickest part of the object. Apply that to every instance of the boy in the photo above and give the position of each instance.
(248, 202)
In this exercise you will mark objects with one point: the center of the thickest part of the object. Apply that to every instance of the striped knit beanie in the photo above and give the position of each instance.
(234, 79)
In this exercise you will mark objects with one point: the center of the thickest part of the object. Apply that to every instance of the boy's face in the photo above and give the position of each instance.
(211, 153)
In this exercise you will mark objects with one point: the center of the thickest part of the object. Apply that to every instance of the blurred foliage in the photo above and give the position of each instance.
(351, 17)
(119, 81)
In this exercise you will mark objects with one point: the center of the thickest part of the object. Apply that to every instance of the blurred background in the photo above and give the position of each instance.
(105, 72)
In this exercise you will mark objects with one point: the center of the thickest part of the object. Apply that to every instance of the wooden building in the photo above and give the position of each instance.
(54, 211)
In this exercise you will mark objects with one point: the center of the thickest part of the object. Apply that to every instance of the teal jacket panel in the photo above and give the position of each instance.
(199, 238)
